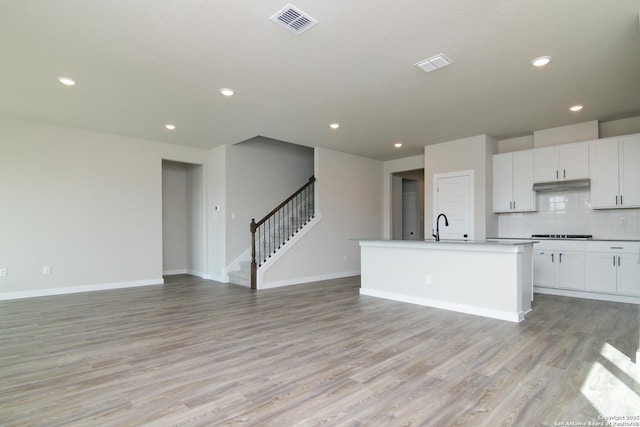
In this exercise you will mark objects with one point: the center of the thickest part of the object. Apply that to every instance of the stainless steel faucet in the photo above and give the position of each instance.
(446, 223)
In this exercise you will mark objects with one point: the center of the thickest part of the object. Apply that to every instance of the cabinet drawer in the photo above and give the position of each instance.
(613, 246)
(560, 245)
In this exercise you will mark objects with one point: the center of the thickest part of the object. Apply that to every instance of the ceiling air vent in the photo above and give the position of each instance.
(433, 63)
(293, 19)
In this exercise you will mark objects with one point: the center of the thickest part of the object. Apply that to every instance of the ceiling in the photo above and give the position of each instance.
(141, 64)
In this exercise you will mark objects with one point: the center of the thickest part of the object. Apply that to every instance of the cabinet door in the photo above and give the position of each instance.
(601, 272)
(572, 270)
(574, 161)
(544, 268)
(629, 274)
(502, 182)
(630, 170)
(524, 197)
(546, 163)
(604, 173)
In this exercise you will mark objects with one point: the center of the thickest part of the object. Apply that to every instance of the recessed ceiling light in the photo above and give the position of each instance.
(334, 125)
(541, 61)
(576, 108)
(170, 126)
(67, 81)
(398, 144)
(226, 91)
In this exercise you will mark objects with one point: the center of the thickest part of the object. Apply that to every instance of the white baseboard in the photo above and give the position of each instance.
(301, 280)
(76, 289)
(445, 305)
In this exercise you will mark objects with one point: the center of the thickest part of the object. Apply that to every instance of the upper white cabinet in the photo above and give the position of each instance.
(513, 182)
(561, 162)
(615, 172)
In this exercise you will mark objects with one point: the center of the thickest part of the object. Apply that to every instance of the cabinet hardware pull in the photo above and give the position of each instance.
(618, 261)
(616, 247)
(616, 200)
(514, 204)
(614, 260)
(551, 257)
(564, 173)
(560, 258)
(557, 174)
(621, 200)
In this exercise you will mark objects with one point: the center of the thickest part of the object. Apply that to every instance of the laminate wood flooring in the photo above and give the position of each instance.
(195, 352)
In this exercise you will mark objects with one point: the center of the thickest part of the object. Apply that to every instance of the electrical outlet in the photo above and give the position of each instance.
(46, 269)
(623, 221)
(3, 272)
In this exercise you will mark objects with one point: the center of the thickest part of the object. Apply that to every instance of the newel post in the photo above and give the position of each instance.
(254, 265)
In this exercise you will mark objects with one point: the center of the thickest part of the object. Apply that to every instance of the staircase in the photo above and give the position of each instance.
(242, 276)
(274, 230)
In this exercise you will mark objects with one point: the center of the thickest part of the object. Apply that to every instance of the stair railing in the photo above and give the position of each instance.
(279, 225)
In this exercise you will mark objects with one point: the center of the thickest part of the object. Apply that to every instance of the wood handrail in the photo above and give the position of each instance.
(255, 225)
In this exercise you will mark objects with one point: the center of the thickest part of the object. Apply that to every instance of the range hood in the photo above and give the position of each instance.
(576, 184)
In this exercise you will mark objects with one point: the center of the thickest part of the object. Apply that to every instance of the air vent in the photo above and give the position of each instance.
(433, 63)
(293, 19)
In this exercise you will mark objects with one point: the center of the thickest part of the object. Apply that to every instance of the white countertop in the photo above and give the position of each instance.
(452, 245)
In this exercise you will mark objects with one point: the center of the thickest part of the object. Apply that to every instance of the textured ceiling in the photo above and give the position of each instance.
(143, 63)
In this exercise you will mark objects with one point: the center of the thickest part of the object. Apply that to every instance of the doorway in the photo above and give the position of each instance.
(407, 212)
(453, 196)
(183, 234)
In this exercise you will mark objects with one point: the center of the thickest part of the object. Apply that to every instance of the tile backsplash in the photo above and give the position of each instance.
(569, 212)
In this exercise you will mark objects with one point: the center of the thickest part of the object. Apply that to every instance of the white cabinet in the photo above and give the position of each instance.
(561, 162)
(615, 172)
(513, 182)
(560, 264)
(614, 267)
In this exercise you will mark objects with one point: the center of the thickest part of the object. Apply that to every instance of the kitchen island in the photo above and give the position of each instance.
(485, 278)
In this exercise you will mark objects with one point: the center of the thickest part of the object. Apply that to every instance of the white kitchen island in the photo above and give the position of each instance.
(485, 278)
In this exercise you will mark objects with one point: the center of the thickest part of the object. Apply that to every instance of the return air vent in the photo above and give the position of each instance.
(293, 19)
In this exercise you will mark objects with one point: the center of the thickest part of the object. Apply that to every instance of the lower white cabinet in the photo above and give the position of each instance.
(560, 264)
(614, 267)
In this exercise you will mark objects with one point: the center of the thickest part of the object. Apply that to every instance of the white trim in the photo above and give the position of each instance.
(217, 277)
(587, 295)
(301, 280)
(76, 289)
(445, 305)
(173, 272)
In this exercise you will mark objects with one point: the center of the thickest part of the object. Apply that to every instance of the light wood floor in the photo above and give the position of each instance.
(197, 352)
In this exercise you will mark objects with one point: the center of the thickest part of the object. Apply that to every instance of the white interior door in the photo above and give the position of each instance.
(453, 196)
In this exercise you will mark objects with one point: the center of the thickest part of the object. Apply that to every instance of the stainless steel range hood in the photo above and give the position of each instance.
(576, 184)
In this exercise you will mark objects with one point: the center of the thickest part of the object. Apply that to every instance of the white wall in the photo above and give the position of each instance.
(216, 219)
(348, 201)
(85, 203)
(260, 175)
(474, 153)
